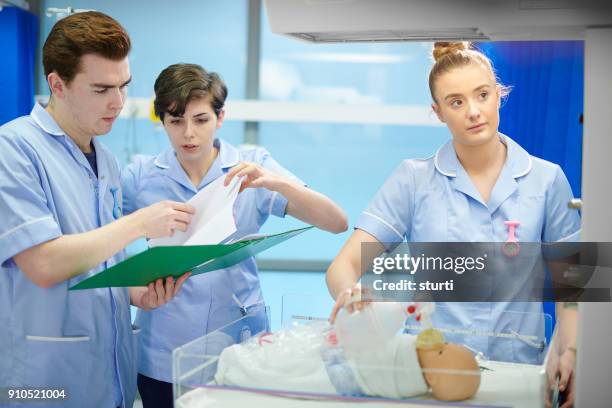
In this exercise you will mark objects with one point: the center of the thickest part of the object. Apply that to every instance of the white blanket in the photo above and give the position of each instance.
(290, 360)
(507, 384)
(286, 360)
(391, 371)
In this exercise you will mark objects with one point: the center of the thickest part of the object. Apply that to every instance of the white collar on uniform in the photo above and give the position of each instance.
(518, 160)
(45, 121)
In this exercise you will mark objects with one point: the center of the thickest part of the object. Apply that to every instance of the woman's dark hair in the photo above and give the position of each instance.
(179, 84)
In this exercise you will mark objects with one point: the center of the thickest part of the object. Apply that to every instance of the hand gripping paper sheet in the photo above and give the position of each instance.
(213, 220)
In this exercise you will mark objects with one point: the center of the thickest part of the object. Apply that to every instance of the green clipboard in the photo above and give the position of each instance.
(163, 261)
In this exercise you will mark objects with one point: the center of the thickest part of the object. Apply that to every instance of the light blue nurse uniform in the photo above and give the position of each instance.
(79, 341)
(211, 300)
(434, 200)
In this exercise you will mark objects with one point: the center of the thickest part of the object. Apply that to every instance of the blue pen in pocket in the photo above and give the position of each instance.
(116, 207)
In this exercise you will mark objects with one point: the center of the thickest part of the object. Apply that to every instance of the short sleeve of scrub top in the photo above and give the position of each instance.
(388, 215)
(26, 219)
(561, 224)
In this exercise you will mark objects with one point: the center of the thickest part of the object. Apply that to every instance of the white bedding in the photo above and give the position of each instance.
(291, 360)
(505, 384)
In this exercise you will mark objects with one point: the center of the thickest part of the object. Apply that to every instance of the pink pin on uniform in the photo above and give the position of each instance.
(511, 247)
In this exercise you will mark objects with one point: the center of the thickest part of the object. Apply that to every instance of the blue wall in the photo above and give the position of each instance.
(18, 34)
(547, 101)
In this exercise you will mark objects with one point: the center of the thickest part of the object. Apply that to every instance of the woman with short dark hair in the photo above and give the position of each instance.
(190, 103)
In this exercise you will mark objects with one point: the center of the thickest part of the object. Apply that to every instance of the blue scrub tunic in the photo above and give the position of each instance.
(211, 300)
(79, 341)
(434, 200)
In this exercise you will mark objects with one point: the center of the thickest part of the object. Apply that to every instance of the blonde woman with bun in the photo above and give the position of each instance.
(466, 192)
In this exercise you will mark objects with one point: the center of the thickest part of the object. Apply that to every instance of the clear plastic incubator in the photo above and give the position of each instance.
(404, 358)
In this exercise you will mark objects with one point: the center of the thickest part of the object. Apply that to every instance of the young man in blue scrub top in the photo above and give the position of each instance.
(61, 223)
(465, 193)
(190, 103)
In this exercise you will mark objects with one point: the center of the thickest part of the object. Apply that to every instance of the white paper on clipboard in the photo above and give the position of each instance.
(213, 220)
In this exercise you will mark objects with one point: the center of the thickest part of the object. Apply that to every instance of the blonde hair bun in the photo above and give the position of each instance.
(444, 48)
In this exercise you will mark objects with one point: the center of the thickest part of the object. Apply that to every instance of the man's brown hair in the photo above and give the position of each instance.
(89, 32)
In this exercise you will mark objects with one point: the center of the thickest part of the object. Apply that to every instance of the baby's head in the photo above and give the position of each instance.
(450, 370)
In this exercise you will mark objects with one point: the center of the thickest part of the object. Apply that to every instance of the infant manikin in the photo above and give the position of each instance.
(364, 354)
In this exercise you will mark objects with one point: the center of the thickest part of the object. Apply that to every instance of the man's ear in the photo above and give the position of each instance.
(56, 85)
(436, 109)
(220, 118)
